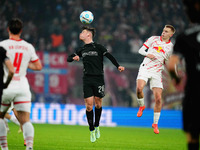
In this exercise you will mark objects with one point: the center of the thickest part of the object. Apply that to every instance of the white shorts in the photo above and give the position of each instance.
(154, 78)
(21, 99)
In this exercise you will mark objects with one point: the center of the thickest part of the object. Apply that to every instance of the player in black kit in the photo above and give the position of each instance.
(5, 60)
(187, 47)
(93, 80)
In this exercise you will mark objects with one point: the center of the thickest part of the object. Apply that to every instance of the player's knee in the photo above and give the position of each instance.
(139, 89)
(89, 107)
(98, 105)
(158, 100)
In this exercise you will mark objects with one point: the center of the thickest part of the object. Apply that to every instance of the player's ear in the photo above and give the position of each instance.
(88, 34)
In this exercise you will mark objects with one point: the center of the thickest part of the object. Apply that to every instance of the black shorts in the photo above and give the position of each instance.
(93, 86)
(1, 92)
(191, 115)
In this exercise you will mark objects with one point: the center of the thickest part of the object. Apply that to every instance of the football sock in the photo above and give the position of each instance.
(97, 116)
(193, 146)
(28, 131)
(90, 119)
(156, 117)
(6, 122)
(3, 135)
(140, 101)
(14, 120)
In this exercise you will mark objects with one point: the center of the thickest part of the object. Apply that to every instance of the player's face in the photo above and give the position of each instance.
(167, 33)
(83, 35)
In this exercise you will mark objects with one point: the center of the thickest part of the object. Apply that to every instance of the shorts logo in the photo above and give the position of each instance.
(159, 49)
(101, 89)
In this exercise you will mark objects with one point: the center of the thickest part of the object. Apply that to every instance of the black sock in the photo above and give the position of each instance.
(193, 146)
(97, 116)
(90, 119)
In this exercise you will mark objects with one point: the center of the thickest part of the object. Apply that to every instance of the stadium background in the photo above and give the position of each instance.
(53, 28)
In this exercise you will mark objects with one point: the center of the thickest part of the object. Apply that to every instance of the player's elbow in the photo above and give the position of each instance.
(11, 71)
(37, 66)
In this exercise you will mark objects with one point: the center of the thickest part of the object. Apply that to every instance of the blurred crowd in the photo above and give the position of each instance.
(122, 25)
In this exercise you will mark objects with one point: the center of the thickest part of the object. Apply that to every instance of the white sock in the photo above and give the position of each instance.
(140, 101)
(14, 120)
(156, 117)
(6, 124)
(3, 135)
(28, 131)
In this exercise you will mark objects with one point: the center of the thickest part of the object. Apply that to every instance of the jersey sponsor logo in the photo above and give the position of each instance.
(159, 49)
(11, 47)
(90, 53)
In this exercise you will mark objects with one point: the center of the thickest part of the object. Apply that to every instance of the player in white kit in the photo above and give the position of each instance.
(23, 56)
(159, 51)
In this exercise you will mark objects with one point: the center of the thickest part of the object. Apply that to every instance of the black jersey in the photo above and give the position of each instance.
(188, 46)
(92, 56)
(3, 57)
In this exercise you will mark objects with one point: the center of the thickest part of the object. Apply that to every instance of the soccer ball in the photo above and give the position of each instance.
(86, 17)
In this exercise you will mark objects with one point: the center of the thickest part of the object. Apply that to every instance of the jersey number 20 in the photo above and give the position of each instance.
(17, 61)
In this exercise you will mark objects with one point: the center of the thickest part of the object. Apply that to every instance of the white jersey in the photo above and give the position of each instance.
(161, 50)
(20, 53)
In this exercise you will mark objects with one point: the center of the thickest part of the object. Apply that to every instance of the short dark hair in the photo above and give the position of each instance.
(15, 25)
(91, 29)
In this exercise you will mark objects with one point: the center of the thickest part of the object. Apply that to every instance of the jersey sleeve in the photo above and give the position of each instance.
(34, 56)
(3, 54)
(78, 52)
(103, 50)
(148, 42)
(179, 47)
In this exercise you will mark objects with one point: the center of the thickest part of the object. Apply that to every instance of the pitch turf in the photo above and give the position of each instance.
(64, 137)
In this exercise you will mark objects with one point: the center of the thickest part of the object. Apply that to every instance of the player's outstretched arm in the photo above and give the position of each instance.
(114, 61)
(35, 65)
(73, 57)
(10, 67)
(142, 51)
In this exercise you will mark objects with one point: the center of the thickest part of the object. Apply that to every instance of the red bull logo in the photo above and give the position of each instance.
(159, 49)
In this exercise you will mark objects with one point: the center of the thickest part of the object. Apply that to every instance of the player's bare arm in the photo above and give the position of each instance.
(35, 65)
(151, 56)
(10, 67)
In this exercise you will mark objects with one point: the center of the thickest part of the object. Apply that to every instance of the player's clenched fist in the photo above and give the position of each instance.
(76, 58)
(121, 68)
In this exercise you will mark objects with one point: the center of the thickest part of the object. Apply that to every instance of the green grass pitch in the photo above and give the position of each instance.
(65, 137)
